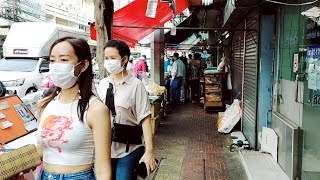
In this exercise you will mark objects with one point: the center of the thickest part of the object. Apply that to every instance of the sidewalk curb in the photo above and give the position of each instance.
(245, 166)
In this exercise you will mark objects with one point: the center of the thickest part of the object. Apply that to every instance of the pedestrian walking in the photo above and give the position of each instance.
(177, 74)
(73, 134)
(132, 140)
(194, 77)
(130, 65)
(140, 68)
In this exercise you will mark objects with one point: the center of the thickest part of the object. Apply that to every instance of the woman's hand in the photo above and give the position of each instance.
(19, 176)
(150, 161)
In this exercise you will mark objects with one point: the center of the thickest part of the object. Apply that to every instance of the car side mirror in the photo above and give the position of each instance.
(43, 70)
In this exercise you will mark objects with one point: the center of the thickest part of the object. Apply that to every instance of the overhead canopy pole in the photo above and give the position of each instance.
(192, 28)
(211, 45)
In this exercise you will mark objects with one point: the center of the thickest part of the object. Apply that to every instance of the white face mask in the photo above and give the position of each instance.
(113, 66)
(63, 75)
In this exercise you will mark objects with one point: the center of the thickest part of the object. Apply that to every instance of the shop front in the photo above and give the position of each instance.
(251, 65)
(296, 99)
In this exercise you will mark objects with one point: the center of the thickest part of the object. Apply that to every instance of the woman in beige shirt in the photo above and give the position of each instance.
(132, 108)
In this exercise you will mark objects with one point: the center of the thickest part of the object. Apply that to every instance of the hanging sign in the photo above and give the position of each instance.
(152, 8)
(295, 62)
(313, 61)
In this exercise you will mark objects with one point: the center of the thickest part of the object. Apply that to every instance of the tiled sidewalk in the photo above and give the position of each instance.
(190, 147)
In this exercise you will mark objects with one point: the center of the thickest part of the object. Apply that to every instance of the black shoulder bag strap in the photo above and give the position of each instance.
(117, 128)
(110, 101)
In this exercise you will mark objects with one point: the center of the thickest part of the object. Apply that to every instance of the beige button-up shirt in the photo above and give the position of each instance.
(131, 104)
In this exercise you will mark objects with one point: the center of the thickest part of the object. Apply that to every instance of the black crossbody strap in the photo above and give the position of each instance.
(110, 100)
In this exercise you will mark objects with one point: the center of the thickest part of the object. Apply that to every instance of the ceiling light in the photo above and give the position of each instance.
(227, 35)
(220, 41)
(207, 2)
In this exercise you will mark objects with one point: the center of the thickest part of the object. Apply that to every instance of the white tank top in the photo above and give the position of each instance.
(65, 140)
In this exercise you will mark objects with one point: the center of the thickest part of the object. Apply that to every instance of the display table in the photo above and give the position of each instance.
(16, 120)
(156, 111)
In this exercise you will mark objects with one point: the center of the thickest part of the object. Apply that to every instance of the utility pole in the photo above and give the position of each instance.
(103, 15)
(15, 10)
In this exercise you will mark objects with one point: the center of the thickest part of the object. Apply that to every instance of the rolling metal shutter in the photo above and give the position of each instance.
(250, 88)
(237, 63)
(245, 74)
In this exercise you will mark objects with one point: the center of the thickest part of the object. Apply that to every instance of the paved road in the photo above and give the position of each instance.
(190, 147)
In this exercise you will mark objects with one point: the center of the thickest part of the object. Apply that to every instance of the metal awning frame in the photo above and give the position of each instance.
(188, 28)
(211, 45)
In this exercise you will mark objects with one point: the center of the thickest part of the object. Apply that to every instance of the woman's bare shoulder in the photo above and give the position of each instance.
(97, 106)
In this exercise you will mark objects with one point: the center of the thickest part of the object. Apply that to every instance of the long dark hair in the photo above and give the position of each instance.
(82, 51)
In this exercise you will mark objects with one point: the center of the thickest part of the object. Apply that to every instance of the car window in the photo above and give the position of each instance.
(44, 66)
(18, 65)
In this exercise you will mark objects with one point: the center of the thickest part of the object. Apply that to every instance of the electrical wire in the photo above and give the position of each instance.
(290, 4)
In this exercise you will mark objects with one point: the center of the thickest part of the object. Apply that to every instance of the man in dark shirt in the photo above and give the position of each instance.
(145, 62)
(194, 77)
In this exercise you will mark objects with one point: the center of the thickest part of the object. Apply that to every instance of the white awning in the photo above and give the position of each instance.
(313, 14)
(190, 42)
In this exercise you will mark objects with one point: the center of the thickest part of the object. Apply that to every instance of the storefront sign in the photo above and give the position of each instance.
(313, 52)
(313, 67)
(72, 9)
(295, 62)
(312, 34)
(26, 10)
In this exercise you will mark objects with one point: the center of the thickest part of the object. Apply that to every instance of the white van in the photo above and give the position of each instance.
(26, 51)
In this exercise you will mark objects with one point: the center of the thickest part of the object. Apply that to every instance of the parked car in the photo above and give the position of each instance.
(22, 76)
(26, 51)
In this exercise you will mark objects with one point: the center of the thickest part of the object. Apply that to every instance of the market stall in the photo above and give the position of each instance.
(156, 97)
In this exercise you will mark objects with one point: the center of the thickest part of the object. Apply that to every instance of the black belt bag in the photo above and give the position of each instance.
(126, 134)
(122, 133)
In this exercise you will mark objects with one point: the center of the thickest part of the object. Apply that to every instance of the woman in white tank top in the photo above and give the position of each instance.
(74, 126)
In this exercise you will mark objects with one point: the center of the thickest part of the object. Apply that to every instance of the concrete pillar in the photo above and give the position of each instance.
(157, 57)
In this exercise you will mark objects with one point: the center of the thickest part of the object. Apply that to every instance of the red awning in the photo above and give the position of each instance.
(134, 15)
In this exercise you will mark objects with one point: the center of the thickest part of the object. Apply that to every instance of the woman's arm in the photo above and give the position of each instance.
(99, 121)
(148, 156)
(39, 150)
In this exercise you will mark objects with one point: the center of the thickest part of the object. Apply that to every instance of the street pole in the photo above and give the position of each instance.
(15, 10)
(103, 15)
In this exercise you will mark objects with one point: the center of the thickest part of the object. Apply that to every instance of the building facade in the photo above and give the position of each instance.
(276, 69)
